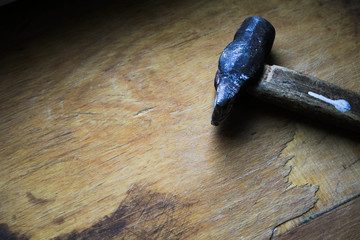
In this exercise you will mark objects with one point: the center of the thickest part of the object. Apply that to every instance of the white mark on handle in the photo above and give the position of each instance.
(340, 104)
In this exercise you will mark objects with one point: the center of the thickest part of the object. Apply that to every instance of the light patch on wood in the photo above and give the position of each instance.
(332, 153)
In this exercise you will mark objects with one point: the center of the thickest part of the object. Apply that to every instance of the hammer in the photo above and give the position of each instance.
(241, 65)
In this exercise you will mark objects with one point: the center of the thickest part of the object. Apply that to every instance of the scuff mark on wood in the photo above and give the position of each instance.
(346, 166)
(143, 214)
(141, 112)
(59, 220)
(34, 200)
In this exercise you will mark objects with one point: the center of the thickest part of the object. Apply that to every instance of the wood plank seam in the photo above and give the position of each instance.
(315, 216)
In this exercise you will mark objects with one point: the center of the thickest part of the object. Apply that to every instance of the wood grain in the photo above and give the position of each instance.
(105, 124)
(341, 223)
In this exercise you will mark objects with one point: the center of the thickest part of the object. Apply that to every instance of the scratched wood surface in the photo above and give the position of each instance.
(105, 124)
(340, 223)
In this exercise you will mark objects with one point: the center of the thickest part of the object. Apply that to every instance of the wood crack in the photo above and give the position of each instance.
(275, 228)
(334, 219)
(312, 217)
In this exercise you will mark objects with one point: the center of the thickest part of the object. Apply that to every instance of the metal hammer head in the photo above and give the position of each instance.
(240, 61)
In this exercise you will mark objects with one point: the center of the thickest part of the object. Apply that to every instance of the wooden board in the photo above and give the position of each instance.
(343, 222)
(105, 124)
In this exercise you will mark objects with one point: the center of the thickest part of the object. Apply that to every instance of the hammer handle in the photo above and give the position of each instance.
(308, 95)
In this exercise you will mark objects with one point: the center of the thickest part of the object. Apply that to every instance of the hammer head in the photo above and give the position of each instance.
(240, 61)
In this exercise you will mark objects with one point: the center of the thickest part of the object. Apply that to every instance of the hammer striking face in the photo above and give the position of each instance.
(240, 61)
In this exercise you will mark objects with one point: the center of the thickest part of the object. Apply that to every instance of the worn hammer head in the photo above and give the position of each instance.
(240, 62)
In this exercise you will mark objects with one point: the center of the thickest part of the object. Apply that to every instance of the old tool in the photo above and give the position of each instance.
(241, 65)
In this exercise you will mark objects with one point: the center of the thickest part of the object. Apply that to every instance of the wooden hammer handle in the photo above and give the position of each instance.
(309, 95)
